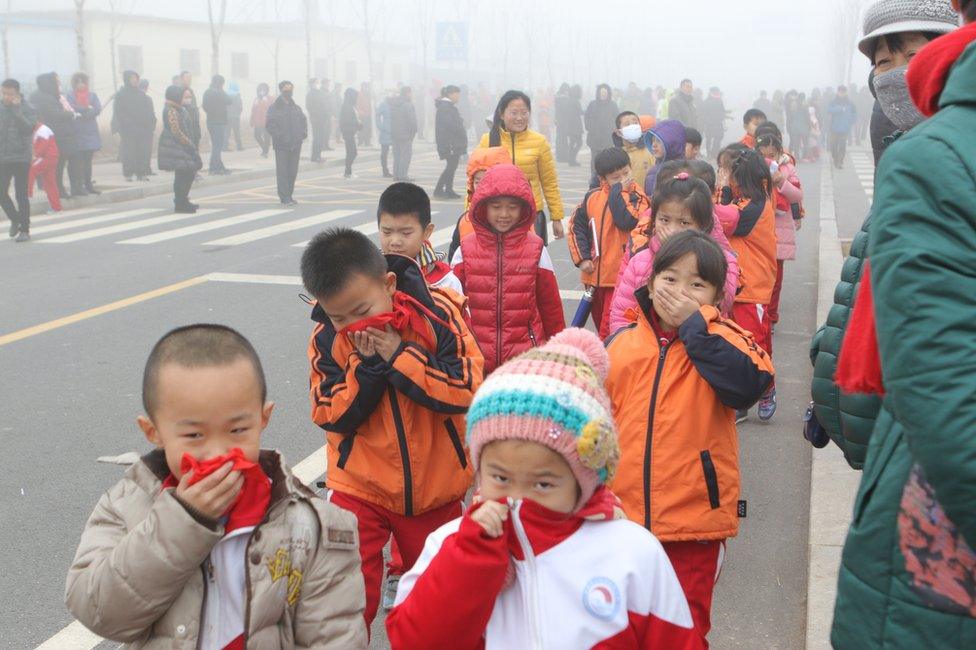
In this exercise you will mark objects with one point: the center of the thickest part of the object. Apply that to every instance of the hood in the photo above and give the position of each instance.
(217, 81)
(126, 76)
(174, 94)
(350, 96)
(233, 88)
(935, 79)
(609, 93)
(46, 83)
(672, 134)
(483, 159)
(503, 180)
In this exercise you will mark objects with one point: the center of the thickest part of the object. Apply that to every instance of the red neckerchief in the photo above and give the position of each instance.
(929, 70)
(252, 502)
(859, 363)
(664, 337)
(435, 272)
(408, 314)
(82, 96)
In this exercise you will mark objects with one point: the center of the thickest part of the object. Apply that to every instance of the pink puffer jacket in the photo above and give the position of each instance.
(634, 274)
(792, 192)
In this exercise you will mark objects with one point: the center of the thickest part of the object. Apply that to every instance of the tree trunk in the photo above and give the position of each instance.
(308, 38)
(80, 35)
(6, 43)
(216, 27)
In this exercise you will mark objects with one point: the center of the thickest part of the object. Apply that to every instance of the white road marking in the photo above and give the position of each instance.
(255, 278)
(167, 235)
(312, 467)
(77, 223)
(64, 215)
(124, 227)
(368, 229)
(288, 226)
(73, 637)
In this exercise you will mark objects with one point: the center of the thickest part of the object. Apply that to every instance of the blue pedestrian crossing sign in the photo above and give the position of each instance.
(452, 42)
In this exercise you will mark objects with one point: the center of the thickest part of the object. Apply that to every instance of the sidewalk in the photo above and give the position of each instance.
(833, 484)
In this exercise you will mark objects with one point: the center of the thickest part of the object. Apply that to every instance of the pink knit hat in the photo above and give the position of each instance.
(552, 395)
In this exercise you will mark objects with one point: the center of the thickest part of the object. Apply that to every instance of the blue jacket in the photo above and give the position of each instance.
(87, 137)
(843, 115)
(383, 122)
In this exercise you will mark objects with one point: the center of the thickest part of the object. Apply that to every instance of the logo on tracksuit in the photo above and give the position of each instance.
(601, 598)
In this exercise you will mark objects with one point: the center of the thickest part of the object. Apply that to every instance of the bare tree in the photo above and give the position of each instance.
(311, 10)
(425, 20)
(846, 24)
(216, 30)
(80, 34)
(118, 9)
(6, 42)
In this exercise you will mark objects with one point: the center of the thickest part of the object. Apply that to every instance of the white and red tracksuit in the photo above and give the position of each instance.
(45, 165)
(580, 581)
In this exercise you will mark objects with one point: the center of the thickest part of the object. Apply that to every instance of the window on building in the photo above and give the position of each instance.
(130, 57)
(239, 65)
(351, 77)
(190, 61)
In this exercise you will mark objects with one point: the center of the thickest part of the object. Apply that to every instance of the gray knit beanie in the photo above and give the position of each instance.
(899, 16)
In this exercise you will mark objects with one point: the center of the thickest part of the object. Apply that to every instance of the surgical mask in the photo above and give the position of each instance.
(631, 132)
(891, 89)
(286, 94)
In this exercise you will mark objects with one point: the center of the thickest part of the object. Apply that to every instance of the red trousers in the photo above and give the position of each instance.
(602, 298)
(46, 168)
(777, 289)
(754, 318)
(376, 524)
(697, 565)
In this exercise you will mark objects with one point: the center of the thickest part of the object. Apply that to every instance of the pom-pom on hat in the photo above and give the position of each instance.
(552, 395)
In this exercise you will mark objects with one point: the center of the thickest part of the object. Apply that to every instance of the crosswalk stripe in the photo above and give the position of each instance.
(441, 237)
(124, 227)
(167, 235)
(90, 221)
(288, 226)
(64, 214)
(367, 229)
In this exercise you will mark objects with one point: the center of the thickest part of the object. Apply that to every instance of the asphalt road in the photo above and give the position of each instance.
(71, 386)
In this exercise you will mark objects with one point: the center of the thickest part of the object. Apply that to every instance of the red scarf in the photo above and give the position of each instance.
(82, 97)
(252, 502)
(859, 363)
(436, 272)
(408, 314)
(929, 69)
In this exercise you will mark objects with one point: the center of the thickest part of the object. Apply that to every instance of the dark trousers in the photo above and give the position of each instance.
(132, 151)
(593, 153)
(319, 138)
(838, 148)
(217, 132)
(263, 139)
(402, 153)
(182, 181)
(562, 145)
(446, 182)
(80, 170)
(59, 174)
(20, 214)
(385, 158)
(286, 171)
(351, 151)
(575, 144)
(798, 145)
(233, 129)
(713, 144)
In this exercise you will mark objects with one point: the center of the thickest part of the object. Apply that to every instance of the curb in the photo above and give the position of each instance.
(833, 484)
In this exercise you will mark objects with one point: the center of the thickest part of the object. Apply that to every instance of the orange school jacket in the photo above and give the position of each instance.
(675, 405)
(395, 431)
(600, 230)
(754, 241)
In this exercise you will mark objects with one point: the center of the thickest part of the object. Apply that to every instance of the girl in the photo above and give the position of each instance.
(680, 203)
(666, 142)
(679, 467)
(176, 150)
(789, 197)
(44, 165)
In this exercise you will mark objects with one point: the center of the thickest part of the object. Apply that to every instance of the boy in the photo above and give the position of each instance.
(403, 217)
(209, 541)
(693, 143)
(629, 136)
(506, 270)
(544, 559)
(45, 165)
(600, 229)
(394, 368)
(751, 121)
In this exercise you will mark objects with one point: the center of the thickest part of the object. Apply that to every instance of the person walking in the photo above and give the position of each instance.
(234, 112)
(682, 105)
(563, 116)
(600, 120)
(135, 122)
(452, 140)
(88, 107)
(364, 108)
(288, 127)
(383, 132)
(349, 126)
(216, 104)
(403, 129)
(17, 121)
(176, 150)
(843, 118)
(54, 110)
(259, 117)
(317, 108)
(713, 117)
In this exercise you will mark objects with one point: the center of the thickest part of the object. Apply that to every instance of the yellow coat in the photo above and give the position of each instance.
(531, 153)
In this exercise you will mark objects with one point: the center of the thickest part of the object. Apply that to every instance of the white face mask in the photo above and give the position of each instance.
(631, 132)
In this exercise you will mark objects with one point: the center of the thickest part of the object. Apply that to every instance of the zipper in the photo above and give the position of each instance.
(534, 617)
(535, 343)
(650, 436)
(498, 300)
(207, 570)
(513, 147)
(404, 452)
(599, 236)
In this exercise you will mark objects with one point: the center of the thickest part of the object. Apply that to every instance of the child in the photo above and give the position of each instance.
(751, 121)
(480, 161)
(543, 559)
(629, 136)
(693, 143)
(677, 374)
(45, 165)
(748, 186)
(680, 203)
(405, 228)
(600, 228)
(393, 372)
(209, 541)
(667, 142)
(506, 271)
(789, 200)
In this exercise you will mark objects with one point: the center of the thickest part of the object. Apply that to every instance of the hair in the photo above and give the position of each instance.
(896, 42)
(968, 10)
(449, 89)
(281, 86)
(769, 134)
(198, 346)
(79, 78)
(711, 262)
(693, 136)
(405, 198)
(703, 170)
(263, 86)
(752, 114)
(691, 192)
(11, 83)
(623, 115)
(732, 151)
(751, 174)
(495, 135)
(334, 256)
(610, 160)
(685, 81)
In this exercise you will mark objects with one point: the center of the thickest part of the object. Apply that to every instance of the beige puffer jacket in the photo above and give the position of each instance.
(138, 574)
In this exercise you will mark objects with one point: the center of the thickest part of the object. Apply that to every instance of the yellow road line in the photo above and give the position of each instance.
(98, 311)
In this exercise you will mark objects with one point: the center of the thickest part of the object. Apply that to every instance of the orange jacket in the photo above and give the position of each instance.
(675, 411)
(600, 230)
(395, 431)
(754, 241)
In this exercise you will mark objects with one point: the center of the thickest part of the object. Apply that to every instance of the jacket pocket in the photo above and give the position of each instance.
(345, 448)
(452, 433)
(711, 479)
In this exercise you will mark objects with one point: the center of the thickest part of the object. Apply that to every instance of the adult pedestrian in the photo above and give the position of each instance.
(135, 122)
(452, 140)
(681, 107)
(54, 110)
(713, 117)
(88, 107)
(908, 570)
(288, 127)
(192, 109)
(600, 120)
(403, 129)
(234, 112)
(17, 121)
(337, 95)
(843, 118)
(216, 104)
(176, 150)
(531, 153)
(563, 118)
(259, 117)
(349, 126)
(364, 108)
(383, 132)
(317, 107)
(764, 104)
(777, 114)
(798, 125)
(575, 125)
